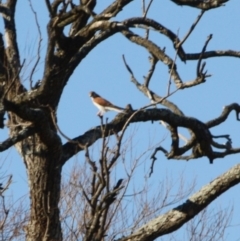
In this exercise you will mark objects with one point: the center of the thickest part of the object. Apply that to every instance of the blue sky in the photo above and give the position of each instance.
(103, 71)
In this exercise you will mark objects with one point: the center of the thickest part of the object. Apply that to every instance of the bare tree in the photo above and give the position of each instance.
(32, 118)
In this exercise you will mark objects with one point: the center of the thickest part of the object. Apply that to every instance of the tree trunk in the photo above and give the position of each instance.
(44, 176)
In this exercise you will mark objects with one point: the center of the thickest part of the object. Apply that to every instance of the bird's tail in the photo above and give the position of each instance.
(116, 108)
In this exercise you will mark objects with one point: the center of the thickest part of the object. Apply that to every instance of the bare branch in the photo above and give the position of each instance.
(15, 139)
(226, 111)
(152, 24)
(153, 60)
(53, 116)
(170, 73)
(211, 54)
(114, 9)
(147, 9)
(178, 216)
(190, 30)
(55, 6)
(151, 95)
(69, 17)
(201, 75)
(200, 58)
(153, 157)
(205, 5)
(157, 52)
(127, 66)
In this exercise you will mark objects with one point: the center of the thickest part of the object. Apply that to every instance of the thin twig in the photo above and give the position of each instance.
(191, 29)
(39, 43)
(148, 7)
(147, 79)
(59, 130)
(6, 211)
(127, 66)
(201, 55)
(145, 11)
(143, 6)
(7, 185)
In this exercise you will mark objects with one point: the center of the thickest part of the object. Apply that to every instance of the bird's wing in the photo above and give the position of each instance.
(103, 102)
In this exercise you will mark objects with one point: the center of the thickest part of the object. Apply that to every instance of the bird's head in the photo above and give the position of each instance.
(93, 94)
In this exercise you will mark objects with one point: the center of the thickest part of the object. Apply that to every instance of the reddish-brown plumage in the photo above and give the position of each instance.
(102, 104)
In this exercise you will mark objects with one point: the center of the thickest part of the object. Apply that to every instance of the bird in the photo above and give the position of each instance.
(102, 104)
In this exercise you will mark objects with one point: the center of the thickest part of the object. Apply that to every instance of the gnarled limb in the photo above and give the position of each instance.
(226, 111)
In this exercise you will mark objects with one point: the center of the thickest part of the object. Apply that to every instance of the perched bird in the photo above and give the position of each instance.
(102, 104)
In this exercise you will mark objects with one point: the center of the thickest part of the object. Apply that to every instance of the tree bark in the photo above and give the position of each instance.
(44, 175)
